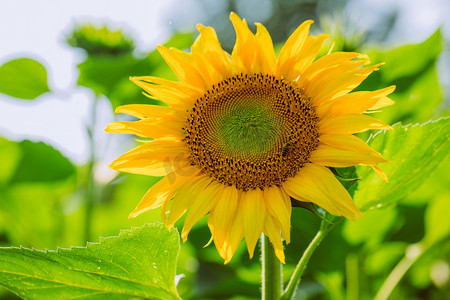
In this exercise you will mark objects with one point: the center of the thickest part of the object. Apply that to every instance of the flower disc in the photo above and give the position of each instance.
(252, 131)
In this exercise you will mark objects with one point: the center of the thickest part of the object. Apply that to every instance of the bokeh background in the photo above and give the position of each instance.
(56, 188)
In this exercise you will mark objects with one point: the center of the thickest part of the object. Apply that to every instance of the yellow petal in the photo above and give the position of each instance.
(175, 94)
(236, 234)
(207, 44)
(330, 63)
(182, 65)
(155, 149)
(158, 193)
(349, 124)
(253, 213)
(192, 175)
(224, 213)
(143, 111)
(185, 197)
(155, 158)
(380, 173)
(329, 156)
(227, 246)
(148, 128)
(266, 54)
(204, 201)
(317, 184)
(273, 232)
(347, 142)
(244, 54)
(278, 205)
(305, 57)
(289, 53)
(337, 83)
(357, 102)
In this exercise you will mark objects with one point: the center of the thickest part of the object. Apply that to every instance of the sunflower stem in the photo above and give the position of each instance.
(325, 227)
(271, 271)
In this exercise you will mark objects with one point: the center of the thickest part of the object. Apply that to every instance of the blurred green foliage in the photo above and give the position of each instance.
(109, 74)
(100, 40)
(43, 195)
(23, 72)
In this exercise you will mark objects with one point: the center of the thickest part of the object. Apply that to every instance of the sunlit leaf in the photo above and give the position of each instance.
(436, 220)
(409, 59)
(23, 78)
(138, 263)
(413, 70)
(35, 214)
(384, 258)
(372, 229)
(41, 162)
(414, 152)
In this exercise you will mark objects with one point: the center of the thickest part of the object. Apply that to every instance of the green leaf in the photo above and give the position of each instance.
(109, 75)
(23, 78)
(418, 93)
(384, 258)
(404, 61)
(36, 214)
(180, 40)
(436, 220)
(372, 229)
(414, 152)
(41, 163)
(138, 263)
(9, 156)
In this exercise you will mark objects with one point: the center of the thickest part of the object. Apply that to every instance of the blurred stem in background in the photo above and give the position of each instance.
(352, 276)
(413, 252)
(105, 49)
(90, 178)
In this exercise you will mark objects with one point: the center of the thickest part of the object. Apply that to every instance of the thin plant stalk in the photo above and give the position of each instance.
(325, 227)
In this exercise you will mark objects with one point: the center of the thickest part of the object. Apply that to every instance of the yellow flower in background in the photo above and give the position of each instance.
(243, 134)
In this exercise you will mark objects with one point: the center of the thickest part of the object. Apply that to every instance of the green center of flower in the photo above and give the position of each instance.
(251, 131)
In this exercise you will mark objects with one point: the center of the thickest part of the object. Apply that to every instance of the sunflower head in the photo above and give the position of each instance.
(245, 133)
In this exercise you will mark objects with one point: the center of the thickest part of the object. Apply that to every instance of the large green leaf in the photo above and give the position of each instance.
(41, 163)
(413, 70)
(414, 151)
(404, 61)
(23, 78)
(138, 263)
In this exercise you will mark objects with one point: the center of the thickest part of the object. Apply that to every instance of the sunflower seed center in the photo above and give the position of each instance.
(252, 131)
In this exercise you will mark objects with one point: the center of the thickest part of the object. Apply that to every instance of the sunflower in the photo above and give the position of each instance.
(245, 134)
